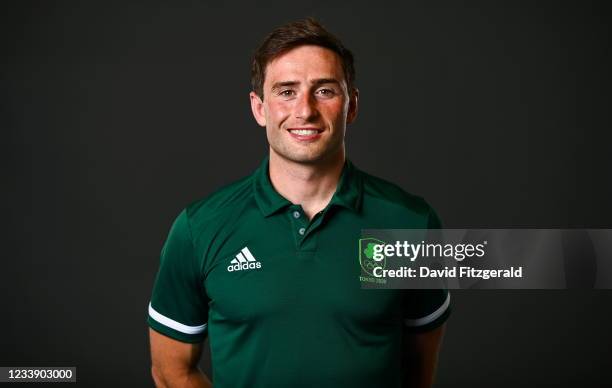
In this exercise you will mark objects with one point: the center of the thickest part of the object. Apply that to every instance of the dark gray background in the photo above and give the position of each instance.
(114, 116)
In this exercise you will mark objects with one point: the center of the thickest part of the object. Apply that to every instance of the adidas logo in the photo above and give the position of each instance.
(244, 260)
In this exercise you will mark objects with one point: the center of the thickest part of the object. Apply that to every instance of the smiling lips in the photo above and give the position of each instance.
(305, 134)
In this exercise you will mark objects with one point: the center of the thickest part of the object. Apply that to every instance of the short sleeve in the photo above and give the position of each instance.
(179, 305)
(425, 310)
(433, 221)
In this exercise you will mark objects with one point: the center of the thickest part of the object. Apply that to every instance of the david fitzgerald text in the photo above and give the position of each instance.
(447, 273)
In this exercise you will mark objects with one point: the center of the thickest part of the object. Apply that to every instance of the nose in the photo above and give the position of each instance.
(305, 107)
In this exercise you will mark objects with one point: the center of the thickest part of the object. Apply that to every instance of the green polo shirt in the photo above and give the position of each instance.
(279, 295)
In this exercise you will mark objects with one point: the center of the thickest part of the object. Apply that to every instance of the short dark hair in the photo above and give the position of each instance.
(298, 33)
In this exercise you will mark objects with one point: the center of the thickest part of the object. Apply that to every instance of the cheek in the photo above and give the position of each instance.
(277, 111)
(335, 111)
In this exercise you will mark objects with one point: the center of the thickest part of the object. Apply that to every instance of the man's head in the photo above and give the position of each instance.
(303, 91)
(291, 35)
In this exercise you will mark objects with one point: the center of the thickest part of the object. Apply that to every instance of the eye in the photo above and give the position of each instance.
(326, 92)
(286, 93)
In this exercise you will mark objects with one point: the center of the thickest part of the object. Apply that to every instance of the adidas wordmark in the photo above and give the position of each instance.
(244, 260)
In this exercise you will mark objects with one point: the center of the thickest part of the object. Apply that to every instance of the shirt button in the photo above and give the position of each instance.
(296, 214)
(302, 231)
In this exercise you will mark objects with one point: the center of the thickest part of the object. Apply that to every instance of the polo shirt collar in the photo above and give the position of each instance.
(350, 188)
(348, 192)
(267, 198)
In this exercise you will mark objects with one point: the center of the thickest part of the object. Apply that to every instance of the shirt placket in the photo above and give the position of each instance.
(303, 229)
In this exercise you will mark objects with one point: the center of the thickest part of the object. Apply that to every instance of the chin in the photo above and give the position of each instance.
(310, 158)
(305, 159)
(313, 155)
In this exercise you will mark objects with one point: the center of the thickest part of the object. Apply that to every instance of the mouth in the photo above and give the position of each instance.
(305, 134)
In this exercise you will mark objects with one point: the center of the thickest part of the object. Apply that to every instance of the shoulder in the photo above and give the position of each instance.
(391, 198)
(220, 202)
(383, 190)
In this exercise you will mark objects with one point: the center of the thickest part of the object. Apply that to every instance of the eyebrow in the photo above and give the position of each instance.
(316, 82)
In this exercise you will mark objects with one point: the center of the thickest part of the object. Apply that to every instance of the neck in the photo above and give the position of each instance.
(309, 185)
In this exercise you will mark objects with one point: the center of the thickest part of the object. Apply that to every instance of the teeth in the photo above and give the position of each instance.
(304, 132)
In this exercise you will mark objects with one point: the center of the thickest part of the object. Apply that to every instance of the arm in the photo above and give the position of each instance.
(421, 357)
(175, 363)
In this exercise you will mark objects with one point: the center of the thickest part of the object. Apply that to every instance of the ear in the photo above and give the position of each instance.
(258, 109)
(353, 106)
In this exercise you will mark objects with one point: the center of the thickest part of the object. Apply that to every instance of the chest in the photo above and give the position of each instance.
(272, 271)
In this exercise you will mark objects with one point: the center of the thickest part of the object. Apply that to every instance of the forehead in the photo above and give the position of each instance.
(304, 63)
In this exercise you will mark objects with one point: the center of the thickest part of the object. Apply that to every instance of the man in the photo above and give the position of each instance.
(267, 267)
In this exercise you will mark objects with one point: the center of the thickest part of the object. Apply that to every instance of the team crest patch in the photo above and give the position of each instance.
(367, 261)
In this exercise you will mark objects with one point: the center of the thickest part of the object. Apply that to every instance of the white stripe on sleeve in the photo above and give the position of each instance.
(171, 323)
(431, 317)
